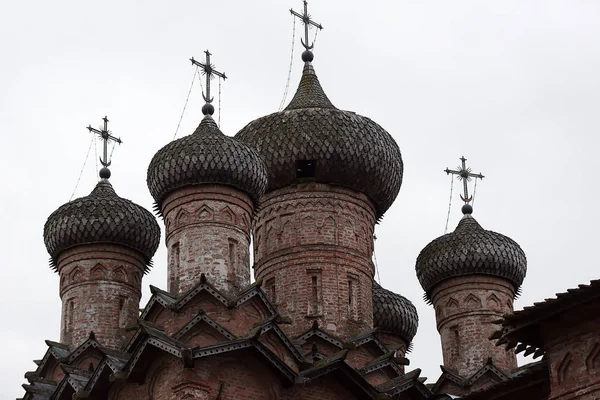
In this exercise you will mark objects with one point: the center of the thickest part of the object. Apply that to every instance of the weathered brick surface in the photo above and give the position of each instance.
(100, 288)
(464, 309)
(239, 376)
(208, 231)
(312, 246)
(572, 344)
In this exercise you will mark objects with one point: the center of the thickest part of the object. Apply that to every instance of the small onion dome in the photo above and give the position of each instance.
(101, 217)
(468, 250)
(206, 156)
(394, 313)
(343, 148)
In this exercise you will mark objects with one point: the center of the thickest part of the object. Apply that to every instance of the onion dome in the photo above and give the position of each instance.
(394, 313)
(101, 217)
(311, 140)
(206, 156)
(468, 250)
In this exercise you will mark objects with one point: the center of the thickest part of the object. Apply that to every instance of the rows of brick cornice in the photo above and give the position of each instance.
(174, 367)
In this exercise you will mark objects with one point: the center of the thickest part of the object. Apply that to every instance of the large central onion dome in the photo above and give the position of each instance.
(471, 250)
(101, 217)
(394, 313)
(311, 140)
(206, 156)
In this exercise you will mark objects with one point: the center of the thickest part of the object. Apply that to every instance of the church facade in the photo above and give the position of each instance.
(304, 187)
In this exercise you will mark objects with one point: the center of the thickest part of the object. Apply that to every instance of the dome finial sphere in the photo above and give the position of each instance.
(467, 209)
(105, 173)
(208, 109)
(307, 56)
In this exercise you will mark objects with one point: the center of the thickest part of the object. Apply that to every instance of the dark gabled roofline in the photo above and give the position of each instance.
(387, 360)
(337, 364)
(368, 337)
(315, 330)
(468, 381)
(106, 362)
(526, 376)
(522, 326)
(271, 324)
(54, 350)
(149, 335)
(242, 344)
(401, 384)
(167, 300)
(202, 317)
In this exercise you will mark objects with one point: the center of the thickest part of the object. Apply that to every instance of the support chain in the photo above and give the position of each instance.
(186, 103)
(287, 85)
(449, 203)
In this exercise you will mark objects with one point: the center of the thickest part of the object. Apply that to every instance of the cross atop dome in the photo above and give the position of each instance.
(464, 174)
(307, 55)
(106, 136)
(209, 70)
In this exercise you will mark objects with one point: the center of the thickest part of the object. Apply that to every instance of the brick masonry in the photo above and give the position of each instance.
(208, 231)
(313, 247)
(572, 344)
(464, 309)
(100, 288)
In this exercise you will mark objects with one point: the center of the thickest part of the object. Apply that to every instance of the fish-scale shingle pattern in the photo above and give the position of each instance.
(101, 217)
(350, 150)
(394, 313)
(470, 249)
(206, 156)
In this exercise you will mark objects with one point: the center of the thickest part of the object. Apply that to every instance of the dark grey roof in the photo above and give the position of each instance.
(206, 156)
(470, 249)
(394, 313)
(101, 217)
(350, 150)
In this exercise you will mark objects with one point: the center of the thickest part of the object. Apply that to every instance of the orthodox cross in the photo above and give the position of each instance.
(465, 175)
(307, 22)
(106, 137)
(209, 70)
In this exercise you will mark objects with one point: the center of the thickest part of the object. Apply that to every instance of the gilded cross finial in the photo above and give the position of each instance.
(464, 173)
(106, 136)
(208, 70)
(308, 22)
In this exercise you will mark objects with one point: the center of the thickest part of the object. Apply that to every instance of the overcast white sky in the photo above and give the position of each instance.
(512, 85)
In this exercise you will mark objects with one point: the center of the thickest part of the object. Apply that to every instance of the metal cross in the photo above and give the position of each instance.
(465, 175)
(209, 70)
(307, 22)
(106, 137)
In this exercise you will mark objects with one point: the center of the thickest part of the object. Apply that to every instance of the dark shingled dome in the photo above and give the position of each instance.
(394, 313)
(206, 156)
(468, 250)
(350, 150)
(101, 217)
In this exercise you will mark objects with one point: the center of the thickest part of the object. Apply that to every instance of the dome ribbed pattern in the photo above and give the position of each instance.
(206, 156)
(394, 313)
(350, 150)
(470, 249)
(101, 217)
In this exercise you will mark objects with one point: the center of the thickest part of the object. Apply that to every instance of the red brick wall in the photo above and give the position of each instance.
(464, 309)
(238, 376)
(208, 231)
(100, 288)
(312, 246)
(572, 344)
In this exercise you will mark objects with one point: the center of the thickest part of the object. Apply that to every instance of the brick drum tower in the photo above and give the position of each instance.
(101, 245)
(471, 276)
(206, 186)
(332, 175)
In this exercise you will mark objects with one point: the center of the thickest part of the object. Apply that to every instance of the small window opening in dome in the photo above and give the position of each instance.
(306, 168)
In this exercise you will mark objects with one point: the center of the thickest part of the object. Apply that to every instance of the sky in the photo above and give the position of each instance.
(512, 85)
